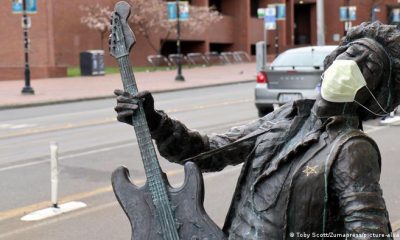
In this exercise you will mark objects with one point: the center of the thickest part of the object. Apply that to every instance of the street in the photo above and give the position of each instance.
(92, 144)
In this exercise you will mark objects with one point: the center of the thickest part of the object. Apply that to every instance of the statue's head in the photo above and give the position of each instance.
(375, 48)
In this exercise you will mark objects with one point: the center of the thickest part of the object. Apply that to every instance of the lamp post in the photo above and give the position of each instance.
(179, 76)
(347, 22)
(320, 23)
(27, 89)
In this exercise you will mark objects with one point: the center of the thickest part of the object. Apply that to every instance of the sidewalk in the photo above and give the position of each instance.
(56, 90)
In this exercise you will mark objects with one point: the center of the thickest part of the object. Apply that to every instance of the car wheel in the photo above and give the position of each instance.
(264, 111)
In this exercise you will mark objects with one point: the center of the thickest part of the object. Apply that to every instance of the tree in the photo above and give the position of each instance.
(150, 18)
(97, 17)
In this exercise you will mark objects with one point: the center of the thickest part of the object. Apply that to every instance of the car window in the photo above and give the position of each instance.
(303, 59)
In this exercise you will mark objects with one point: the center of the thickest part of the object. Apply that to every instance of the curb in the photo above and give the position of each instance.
(52, 102)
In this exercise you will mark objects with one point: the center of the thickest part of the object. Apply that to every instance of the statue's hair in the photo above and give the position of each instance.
(388, 36)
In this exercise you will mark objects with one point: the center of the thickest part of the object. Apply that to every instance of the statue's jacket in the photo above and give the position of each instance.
(301, 174)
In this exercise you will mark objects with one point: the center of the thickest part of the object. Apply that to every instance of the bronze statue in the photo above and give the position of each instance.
(309, 170)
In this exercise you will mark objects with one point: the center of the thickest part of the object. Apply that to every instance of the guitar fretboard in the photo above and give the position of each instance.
(152, 168)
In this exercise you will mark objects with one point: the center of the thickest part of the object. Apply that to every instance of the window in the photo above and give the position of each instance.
(216, 4)
(253, 49)
(394, 17)
(254, 5)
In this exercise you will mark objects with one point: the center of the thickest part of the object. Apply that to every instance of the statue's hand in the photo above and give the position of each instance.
(128, 104)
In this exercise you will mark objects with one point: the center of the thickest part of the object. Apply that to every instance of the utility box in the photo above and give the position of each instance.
(261, 56)
(92, 62)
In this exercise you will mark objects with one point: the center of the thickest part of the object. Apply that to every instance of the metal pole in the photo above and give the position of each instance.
(54, 173)
(27, 89)
(266, 45)
(320, 23)
(179, 76)
(276, 33)
(347, 22)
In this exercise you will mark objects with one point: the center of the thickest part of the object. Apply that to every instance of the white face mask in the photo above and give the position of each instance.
(341, 82)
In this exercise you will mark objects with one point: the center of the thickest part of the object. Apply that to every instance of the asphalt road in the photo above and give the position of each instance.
(92, 144)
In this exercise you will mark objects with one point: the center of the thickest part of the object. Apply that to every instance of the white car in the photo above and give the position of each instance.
(294, 74)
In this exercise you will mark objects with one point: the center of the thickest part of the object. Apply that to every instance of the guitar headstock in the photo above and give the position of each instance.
(121, 39)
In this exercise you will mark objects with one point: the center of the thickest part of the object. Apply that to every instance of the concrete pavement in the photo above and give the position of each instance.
(56, 90)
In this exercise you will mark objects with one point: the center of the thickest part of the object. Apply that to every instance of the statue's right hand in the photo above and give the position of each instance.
(128, 104)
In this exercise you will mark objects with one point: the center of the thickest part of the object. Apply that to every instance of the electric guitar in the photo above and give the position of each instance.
(156, 210)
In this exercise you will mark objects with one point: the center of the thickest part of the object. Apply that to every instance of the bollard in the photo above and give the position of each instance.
(54, 173)
(55, 209)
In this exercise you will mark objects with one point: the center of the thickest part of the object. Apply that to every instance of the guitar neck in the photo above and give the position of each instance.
(147, 150)
(121, 41)
(152, 168)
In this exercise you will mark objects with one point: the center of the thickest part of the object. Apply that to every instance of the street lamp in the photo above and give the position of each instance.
(27, 89)
(179, 76)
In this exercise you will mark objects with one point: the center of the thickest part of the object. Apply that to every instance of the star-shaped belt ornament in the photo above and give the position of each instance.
(310, 170)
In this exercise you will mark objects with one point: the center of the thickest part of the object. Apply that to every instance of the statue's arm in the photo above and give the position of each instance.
(176, 143)
(355, 181)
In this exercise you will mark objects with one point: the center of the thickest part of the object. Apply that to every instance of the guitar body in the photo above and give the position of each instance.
(192, 221)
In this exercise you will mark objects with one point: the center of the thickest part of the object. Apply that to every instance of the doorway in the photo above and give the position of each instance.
(303, 27)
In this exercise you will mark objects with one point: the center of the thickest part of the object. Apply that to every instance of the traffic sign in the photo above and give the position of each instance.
(183, 11)
(31, 6)
(348, 13)
(352, 13)
(270, 18)
(261, 13)
(280, 10)
(343, 14)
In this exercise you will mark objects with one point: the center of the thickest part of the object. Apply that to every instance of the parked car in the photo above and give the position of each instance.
(294, 74)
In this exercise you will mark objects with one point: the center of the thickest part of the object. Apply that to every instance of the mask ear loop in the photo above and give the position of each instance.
(376, 114)
(389, 84)
(377, 101)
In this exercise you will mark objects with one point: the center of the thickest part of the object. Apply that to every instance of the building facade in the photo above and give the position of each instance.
(57, 35)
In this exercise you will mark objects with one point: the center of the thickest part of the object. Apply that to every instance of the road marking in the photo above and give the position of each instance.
(58, 128)
(81, 196)
(57, 219)
(199, 107)
(99, 150)
(77, 197)
(396, 226)
(105, 149)
(16, 126)
(112, 120)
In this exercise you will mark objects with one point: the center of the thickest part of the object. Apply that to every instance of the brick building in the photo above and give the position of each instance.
(57, 36)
